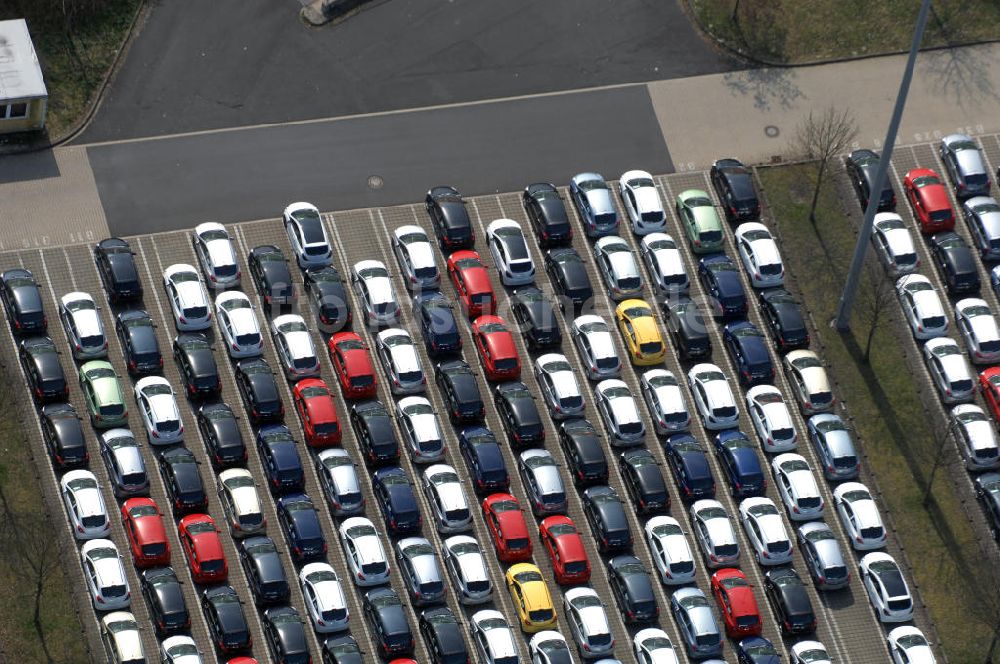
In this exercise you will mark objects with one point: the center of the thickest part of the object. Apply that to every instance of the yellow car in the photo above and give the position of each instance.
(640, 332)
(531, 598)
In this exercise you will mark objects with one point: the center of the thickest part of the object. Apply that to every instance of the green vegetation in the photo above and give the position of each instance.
(898, 437)
(803, 31)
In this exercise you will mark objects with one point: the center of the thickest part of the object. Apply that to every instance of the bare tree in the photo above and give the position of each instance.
(877, 301)
(942, 435)
(821, 137)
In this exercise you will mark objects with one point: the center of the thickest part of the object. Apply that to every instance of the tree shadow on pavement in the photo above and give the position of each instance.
(770, 87)
(961, 74)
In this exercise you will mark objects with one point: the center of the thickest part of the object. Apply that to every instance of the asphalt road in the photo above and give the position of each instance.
(205, 65)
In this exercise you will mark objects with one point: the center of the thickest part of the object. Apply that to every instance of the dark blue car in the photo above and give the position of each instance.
(437, 323)
(689, 464)
(396, 500)
(740, 463)
(720, 278)
(482, 455)
(756, 650)
(747, 347)
(300, 522)
(280, 457)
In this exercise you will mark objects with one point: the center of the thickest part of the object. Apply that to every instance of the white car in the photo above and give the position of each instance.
(771, 419)
(949, 370)
(982, 216)
(976, 437)
(670, 550)
(558, 385)
(294, 347)
(714, 533)
(921, 306)
(399, 358)
(179, 649)
(120, 634)
(510, 253)
(978, 328)
(615, 403)
(766, 531)
(665, 401)
(665, 264)
(493, 637)
(760, 256)
(81, 496)
(810, 652)
(158, 409)
(713, 398)
(653, 646)
(324, 598)
(188, 298)
(618, 268)
(464, 561)
(238, 325)
(241, 502)
(593, 340)
(105, 575)
(307, 236)
(887, 590)
(809, 382)
(859, 514)
(363, 551)
(588, 622)
(420, 428)
(214, 249)
(549, 647)
(338, 476)
(83, 327)
(642, 202)
(797, 487)
(416, 258)
(448, 505)
(374, 289)
(908, 645)
(894, 244)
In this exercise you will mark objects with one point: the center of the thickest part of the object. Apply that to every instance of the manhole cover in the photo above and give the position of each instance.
(375, 182)
(771, 131)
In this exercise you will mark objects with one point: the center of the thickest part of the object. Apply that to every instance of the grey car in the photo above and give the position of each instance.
(823, 556)
(542, 482)
(592, 197)
(420, 571)
(618, 268)
(966, 168)
(123, 459)
(833, 443)
(338, 475)
(982, 216)
(696, 623)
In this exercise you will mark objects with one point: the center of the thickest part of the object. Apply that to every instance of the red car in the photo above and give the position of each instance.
(242, 660)
(318, 412)
(565, 548)
(497, 351)
(403, 661)
(203, 548)
(147, 536)
(504, 518)
(472, 282)
(736, 603)
(353, 365)
(929, 199)
(989, 385)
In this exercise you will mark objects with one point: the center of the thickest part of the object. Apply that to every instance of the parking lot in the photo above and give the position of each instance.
(846, 624)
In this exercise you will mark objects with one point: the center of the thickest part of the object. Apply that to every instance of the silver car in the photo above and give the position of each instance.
(982, 216)
(949, 370)
(467, 568)
(338, 475)
(559, 387)
(421, 432)
(618, 268)
(592, 338)
(416, 258)
(824, 558)
(834, 445)
(542, 482)
(420, 571)
(964, 163)
(448, 505)
(588, 622)
(592, 198)
(123, 459)
(696, 624)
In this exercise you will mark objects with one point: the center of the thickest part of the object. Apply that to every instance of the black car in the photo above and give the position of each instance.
(137, 334)
(747, 348)
(783, 315)
(740, 464)
(396, 501)
(373, 429)
(547, 214)
(437, 323)
(40, 361)
(116, 265)
(63, 435)
(581, 445)
(226, 622)
(788, 597)
(325, 288)
(644, 482)
(194, 357)
(988, 493)
(568, 275)
(221, 433)
(536, 317)
(686, 323)
(720, 278)
(733, 183)
(632, 589)
(163, 594)
(956, 262)
(443, 635)
(299, 521)
(385, 615)
(606, 514)
(861, 166)
(518, 414)
(280, 457)
(689, 464)
(482, 454)
(22, 301)
(450, 218)
(460, 390)
(261, 563)
(256, 384)
(285, 634)
(341, 650)
(270, 274)
(179, 470)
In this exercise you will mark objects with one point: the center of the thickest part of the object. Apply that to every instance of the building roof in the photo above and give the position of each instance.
(20, 72)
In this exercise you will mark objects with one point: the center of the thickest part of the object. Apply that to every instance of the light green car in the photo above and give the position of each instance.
(103, 394)
(700, 220)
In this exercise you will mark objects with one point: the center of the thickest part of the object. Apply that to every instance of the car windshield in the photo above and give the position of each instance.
(976, 310)
(756, 234)
(945, 349)
(199, 527)
(100, 372)
(708, 376)
(643, 458)
(539, 461)
(638, 312)
(464, 548)
(616, 392)
(422, 549)
(761, 650)
(693, 601)
(697, 201)
(194, 344)
(235, 303)
(657, 382)
(807, 362)
(517, 393)
(183, 650)
(293, 326)
(490, 328)
(709, 513)
(794, 465)
(157, 389)
(527, 576)
(81, 483)
(746, 332)
(365, 530)
(721, 266)
(666, 530)
(597, 326)
(81, 305)
(762, 510)
(102, 553)
(445, 477)
(373, 273)
(972, 416)
(925, 180)
(122, 626)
